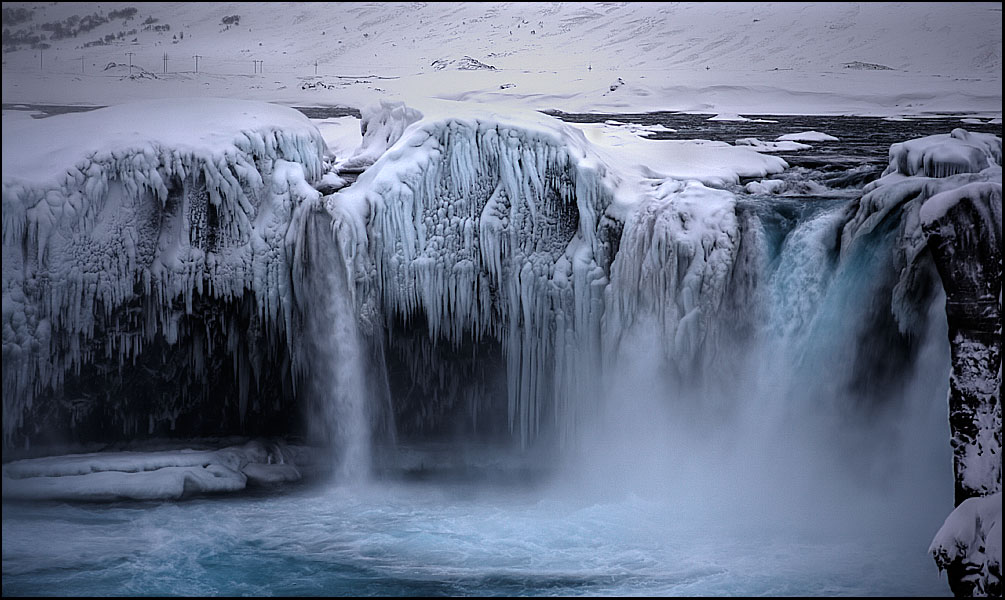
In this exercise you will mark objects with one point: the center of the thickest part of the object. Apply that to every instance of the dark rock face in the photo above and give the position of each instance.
(965, 242)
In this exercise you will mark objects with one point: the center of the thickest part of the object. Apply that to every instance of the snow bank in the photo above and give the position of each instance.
(161, 475)
(972, 536)
(715, 164)
(342, 135)
(154, 202)
(780, 146)
(807, 136)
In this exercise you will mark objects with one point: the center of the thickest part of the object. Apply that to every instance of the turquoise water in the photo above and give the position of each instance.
(443, 538)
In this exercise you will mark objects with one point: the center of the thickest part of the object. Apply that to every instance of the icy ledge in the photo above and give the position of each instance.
(156, 203)
(161, 475)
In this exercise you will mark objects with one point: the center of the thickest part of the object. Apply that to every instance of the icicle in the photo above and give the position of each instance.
(464, 206)
(76, 250)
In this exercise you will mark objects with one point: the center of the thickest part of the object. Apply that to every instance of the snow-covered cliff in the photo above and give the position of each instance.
(119, 225)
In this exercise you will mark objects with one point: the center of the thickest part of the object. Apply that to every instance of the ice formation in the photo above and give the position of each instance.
(673, 269)
(483, 225)
(959, 151)
(119, 223)
(157, 475)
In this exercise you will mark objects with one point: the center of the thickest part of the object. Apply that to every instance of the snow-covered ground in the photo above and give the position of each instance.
(160, 475)
(887, 59)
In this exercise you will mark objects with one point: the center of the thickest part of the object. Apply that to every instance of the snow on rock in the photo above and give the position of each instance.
(160, 475)
(157, 201)
(807, 136)
(970, 541)
(936, 207)
(942, 155)
(766, 186)
(488, 224)
(964, 231)
(465, 63)
(382, 125)
(781, 146)
(920, 169)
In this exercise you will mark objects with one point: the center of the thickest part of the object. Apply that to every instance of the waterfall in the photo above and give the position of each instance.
(751, 358)
(338, 379)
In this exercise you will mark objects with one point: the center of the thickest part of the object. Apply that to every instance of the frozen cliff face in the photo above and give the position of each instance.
(673, 272)
(964, 234)
(138, 228)
(488, 226)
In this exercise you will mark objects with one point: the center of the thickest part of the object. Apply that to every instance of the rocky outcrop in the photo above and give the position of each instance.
(963, 227)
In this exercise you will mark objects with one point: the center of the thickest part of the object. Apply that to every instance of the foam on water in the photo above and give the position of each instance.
(439, 539)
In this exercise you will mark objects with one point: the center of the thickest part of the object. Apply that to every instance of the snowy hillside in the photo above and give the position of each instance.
(863, 58)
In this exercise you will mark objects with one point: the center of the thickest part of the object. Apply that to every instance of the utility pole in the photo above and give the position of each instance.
(165, 63)
(40, 51)
(315, 68)
(196, 57)
(81, 65)
(130, 55)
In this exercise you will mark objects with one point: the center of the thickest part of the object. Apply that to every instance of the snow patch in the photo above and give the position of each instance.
(807, 136)
(783, 146)
(972, 535)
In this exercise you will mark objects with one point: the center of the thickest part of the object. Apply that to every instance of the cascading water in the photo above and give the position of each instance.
(760, 364)
(753, 385)
(342, 393)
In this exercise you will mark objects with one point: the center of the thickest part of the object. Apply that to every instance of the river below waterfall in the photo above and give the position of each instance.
(714, 509)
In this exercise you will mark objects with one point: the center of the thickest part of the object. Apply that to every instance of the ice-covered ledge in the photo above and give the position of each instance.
(155, 475)
(160, 204)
